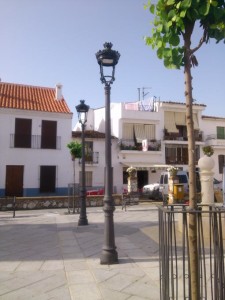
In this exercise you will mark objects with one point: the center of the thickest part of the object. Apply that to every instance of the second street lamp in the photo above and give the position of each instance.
(108, 58)
(82, 110)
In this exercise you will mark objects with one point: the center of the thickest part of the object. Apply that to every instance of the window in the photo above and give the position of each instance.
(179, 154)
(22, 138)
(221, 162)
(182, 132)
(47, 179)
(171, 156)
(48, 134)
(88, 151)
(220, 133)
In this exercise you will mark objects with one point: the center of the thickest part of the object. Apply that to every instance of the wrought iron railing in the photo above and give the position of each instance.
(173, 136)
(91, 158)
(130, 144)
(33, 142)
(174, 252)
(214, 137)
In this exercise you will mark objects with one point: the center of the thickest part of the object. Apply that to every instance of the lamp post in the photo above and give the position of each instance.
(108, 58)
(82, 110)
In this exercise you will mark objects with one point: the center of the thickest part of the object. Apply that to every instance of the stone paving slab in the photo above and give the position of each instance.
(45, 255)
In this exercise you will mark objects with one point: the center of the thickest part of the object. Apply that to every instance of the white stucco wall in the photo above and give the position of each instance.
(32, 159)
(120, 159)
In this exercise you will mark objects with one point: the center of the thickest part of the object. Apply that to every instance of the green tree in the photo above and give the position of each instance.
(76, 152)
(75, 149)
(172, 36)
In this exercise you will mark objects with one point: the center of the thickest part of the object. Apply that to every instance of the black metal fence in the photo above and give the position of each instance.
(174, 252)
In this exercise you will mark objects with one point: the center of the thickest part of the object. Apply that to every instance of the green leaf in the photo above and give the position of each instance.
(174, 40)
(170, 23)
(183, 13)
(160, 53)
(186, 3)
(160, 28)
(178, 5)
(204, 8)
(171, 14)
(159, 44)
(170, 2)
(152, 9)
(167, 52)
(148, 41)
(193, 14)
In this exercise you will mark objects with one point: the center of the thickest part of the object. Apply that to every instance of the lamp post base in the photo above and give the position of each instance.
(82, 221)
(109, 257)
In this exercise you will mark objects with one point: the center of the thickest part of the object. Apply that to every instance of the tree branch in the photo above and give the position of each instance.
(202, 40)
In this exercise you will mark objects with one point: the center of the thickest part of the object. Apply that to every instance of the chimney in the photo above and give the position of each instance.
(58, 91)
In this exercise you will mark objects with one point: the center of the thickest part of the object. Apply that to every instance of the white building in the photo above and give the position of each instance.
(214, 135)
(35, 129)
(161, 128)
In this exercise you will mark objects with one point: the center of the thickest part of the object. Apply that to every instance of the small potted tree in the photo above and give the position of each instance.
(76, 152)
(208, 150)
(75, 149)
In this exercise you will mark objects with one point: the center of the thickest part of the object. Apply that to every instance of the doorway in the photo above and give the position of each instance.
(142, 178)
(14, 181)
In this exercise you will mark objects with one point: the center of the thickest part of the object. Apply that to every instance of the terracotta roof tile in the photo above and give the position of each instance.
(18, 96)
(183, 103)
(213, 117)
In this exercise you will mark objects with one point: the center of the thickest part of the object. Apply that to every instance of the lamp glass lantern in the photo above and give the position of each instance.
(107, 58)
(82, 110)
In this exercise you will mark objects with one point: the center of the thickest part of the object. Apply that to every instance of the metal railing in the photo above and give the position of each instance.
(179, 137)
(214, 137)
(174, 252)
(126, 144)
(91, 158)
(32, 142)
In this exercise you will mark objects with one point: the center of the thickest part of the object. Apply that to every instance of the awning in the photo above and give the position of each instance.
(142, 165)
(195, 121)
(139, 131)
(150, 131)
(180, 118)
(169, 124)
(128, 131)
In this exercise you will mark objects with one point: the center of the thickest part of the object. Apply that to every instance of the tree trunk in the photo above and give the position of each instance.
(191, 164)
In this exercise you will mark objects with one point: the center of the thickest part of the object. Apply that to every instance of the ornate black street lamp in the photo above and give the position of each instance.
(82, 110)
(108, 58)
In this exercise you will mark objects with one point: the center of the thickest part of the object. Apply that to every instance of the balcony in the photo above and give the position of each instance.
(34, 142)
(130, 145)
(91, 158)
(172, 136)
(214, 140)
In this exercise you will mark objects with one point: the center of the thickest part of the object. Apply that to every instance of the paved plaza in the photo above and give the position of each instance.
(45, 255)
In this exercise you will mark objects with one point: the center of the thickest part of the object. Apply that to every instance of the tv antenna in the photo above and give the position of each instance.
(144, 93)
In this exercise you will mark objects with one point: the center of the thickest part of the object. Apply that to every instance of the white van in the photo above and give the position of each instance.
(183, 179)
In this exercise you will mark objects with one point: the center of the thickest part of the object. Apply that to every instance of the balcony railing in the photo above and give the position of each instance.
(153, 145)
(173, 136)
(34, 142)
(91, 158)
(214, 137)
(175, 161)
